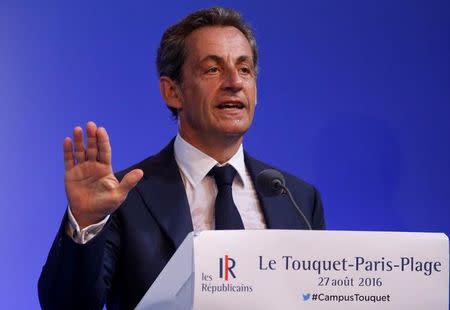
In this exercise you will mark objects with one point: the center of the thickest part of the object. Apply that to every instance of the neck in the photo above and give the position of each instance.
(219, 148)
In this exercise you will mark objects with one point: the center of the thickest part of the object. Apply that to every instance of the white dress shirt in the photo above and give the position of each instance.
(201, 192)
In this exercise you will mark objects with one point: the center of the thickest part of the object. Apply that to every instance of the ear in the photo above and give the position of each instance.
(170, 91)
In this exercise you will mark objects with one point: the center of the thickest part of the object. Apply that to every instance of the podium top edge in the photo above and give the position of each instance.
(440, 235)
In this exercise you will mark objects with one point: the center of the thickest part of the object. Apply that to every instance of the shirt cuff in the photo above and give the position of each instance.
(81, 236)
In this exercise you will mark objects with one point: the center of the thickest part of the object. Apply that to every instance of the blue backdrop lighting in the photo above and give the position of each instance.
(353, 96)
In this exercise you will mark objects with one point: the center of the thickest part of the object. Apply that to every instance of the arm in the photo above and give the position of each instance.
(81, 236)
(78, 276)
(318, 217)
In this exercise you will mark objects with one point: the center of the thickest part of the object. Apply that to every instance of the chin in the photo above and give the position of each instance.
(234, 132)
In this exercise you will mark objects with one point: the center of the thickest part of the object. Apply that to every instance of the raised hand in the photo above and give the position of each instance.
(92, 189)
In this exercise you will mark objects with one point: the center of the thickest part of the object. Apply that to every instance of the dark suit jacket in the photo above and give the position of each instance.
(122, 261)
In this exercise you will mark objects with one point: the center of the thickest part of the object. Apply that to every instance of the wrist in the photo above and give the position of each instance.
(84, 220)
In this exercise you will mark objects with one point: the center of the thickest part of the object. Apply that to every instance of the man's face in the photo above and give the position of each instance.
(219, 85)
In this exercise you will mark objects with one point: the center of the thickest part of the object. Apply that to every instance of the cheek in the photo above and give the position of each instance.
(191, 99)
(250, 88)
(252, 97)
(206, 100)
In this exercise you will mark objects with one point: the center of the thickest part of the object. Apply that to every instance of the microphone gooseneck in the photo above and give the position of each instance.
(271, 182)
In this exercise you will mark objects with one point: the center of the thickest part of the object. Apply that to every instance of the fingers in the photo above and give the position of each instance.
(104, 147)
(68, 155)
(91, 133)
(98, 146)
(80, 153)
(130, 180)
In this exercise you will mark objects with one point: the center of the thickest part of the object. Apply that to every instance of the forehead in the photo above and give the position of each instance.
(222, 41)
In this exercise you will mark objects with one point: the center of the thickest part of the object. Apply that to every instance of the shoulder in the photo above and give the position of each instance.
(256, 166)
(154, 164)
(303, 192)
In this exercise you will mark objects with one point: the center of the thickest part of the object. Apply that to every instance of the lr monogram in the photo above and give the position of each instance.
(226, 265)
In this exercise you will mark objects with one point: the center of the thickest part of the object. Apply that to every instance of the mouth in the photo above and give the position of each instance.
(231, 105)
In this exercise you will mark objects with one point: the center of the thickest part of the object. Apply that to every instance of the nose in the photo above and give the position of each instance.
(232, 80)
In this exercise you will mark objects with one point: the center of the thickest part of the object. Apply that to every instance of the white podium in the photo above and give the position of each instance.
(287, 269)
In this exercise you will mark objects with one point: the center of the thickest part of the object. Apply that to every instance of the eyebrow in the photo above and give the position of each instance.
(219, 59)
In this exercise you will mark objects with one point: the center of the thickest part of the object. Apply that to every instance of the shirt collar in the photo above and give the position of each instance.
(195, 164)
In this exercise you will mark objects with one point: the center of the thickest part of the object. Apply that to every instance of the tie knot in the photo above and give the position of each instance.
(223, 175)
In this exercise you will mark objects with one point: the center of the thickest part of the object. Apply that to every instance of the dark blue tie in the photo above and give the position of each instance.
(226, 214)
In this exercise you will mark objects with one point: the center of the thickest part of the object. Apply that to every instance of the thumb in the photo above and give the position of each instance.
(130, 180)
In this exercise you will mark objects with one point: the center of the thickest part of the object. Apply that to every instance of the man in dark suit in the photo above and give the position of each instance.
(202, 180)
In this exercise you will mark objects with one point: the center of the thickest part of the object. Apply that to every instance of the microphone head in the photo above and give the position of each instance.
(270, 182)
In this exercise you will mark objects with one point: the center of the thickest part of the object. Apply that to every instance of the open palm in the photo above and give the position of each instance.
(92, 189)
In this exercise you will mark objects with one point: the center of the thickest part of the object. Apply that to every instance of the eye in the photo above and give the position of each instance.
(245, 70)
(212, 70)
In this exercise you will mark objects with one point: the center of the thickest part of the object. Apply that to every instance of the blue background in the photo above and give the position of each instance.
(353, 96)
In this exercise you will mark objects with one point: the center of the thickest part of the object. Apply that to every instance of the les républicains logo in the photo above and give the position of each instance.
(227, 271)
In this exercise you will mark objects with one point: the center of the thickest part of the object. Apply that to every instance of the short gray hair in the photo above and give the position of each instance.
(172, 52)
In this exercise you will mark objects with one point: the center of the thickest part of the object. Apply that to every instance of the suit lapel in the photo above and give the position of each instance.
(164, 194)
(278, 211)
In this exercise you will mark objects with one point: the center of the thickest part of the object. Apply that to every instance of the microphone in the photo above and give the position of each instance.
(270, 183)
